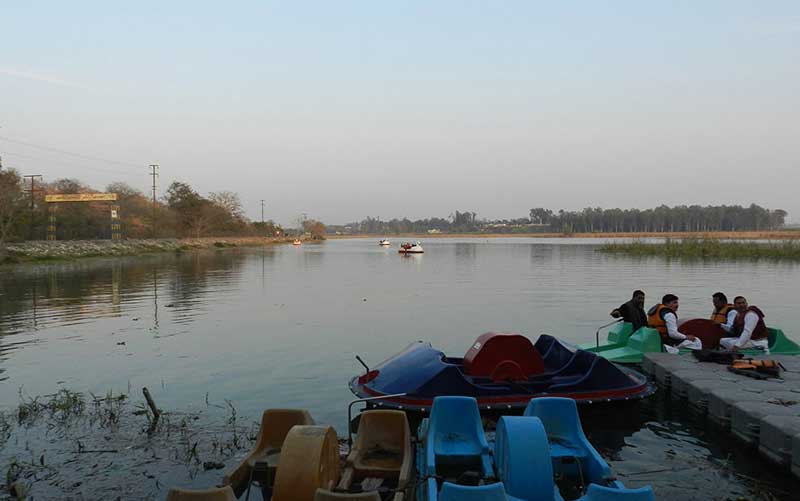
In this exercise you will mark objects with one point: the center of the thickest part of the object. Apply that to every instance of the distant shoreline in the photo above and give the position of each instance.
(719, 235)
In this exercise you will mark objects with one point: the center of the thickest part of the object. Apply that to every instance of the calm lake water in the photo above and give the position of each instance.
(280, 326)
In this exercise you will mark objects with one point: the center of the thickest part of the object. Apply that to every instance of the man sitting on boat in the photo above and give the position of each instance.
(664, 318)
(748, 327)
(724, 313)
(632, 311)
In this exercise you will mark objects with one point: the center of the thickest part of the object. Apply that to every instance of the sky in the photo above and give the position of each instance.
(348, 109)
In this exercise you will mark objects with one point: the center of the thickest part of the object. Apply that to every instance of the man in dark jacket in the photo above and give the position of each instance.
(632, 311)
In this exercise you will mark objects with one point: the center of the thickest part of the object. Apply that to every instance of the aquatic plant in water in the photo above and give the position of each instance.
(706, 248)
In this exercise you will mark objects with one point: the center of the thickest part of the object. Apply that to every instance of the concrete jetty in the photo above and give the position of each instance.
(762, 414)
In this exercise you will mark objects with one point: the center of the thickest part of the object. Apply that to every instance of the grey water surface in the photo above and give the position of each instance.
(280, 326)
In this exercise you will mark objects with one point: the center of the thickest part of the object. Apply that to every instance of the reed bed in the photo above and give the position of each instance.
(704, 248)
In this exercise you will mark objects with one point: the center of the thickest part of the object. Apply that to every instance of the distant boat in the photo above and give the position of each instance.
(384, 243)
(297, 242)
(409, 248)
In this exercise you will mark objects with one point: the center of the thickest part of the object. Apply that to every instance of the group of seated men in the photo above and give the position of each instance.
(742, 324)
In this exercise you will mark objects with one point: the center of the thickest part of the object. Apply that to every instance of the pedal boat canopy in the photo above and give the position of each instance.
(500, 370)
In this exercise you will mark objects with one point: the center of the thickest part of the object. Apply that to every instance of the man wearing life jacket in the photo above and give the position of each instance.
(748, 327)
(632, 311)
(664, 318)
(724, 313)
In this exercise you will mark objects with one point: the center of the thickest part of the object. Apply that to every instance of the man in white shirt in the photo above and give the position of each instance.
(664, 318)
(748, 327)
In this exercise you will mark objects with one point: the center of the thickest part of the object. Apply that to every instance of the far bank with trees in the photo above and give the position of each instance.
(662, 219)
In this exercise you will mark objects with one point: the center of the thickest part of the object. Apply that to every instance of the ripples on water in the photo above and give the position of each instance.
(279, 326)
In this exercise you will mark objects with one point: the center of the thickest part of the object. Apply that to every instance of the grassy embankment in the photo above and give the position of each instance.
(706, 248)
(38, 251)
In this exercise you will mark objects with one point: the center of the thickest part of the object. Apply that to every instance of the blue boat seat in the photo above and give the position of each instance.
(522, 459)
(455, 435)
(599, 493)
(489, 492)
(567, 440)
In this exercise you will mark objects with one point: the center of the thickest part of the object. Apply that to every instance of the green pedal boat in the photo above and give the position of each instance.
(623, 346)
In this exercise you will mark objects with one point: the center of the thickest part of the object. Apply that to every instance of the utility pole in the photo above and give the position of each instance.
(32, 190)
(262, 214)
(154, 174)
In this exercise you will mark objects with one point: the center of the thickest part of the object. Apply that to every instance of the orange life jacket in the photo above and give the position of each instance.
(759, 332)
(721, 315)
(655, 319)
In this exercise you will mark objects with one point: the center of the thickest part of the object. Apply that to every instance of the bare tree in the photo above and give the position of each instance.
(229, 201)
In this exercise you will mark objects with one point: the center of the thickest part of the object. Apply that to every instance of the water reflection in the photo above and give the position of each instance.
(279, 326)
(655, 442)
(41, 296)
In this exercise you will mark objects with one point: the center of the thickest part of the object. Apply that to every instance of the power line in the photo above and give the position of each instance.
(70, 153)
(81, 166)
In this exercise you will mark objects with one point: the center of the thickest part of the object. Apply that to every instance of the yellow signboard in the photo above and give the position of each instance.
(81, 197)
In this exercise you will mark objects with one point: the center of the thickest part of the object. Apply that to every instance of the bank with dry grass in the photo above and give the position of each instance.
(40, 250)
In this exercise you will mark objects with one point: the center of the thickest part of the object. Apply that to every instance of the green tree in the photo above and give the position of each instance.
(12, 203)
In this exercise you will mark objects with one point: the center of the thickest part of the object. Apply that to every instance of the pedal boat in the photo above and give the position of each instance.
(623, 346)
(502, 371)
(455, 460)
(409, 248)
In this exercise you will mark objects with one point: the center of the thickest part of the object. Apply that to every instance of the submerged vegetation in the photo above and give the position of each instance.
(85, 446)
(706, 248)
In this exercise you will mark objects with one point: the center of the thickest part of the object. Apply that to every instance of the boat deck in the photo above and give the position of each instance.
(762, 414)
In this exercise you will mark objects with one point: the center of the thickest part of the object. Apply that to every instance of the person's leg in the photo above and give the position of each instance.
(726, 343)
(691, 345)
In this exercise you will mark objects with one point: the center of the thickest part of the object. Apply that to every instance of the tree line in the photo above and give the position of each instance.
(694, 218)
(182, 212)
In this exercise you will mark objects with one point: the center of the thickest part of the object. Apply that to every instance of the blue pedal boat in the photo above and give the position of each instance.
(455, 461)
(502, 371)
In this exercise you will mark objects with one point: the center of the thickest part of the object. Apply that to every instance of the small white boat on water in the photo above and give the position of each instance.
(384, 243)
(409, 248)
(297, 242)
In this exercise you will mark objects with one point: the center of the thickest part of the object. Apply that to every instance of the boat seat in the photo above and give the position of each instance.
(567, 440)
(455, 435)
(275, 424)
(383, 444)
(213, 494)
(489, 492)
(382, 449)
(326, 495)
(599, 493)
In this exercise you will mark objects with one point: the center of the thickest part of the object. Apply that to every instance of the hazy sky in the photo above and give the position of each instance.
(344, 109)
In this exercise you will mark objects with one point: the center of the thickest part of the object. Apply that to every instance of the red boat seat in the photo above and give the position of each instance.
(502, 357)
(707, 331)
